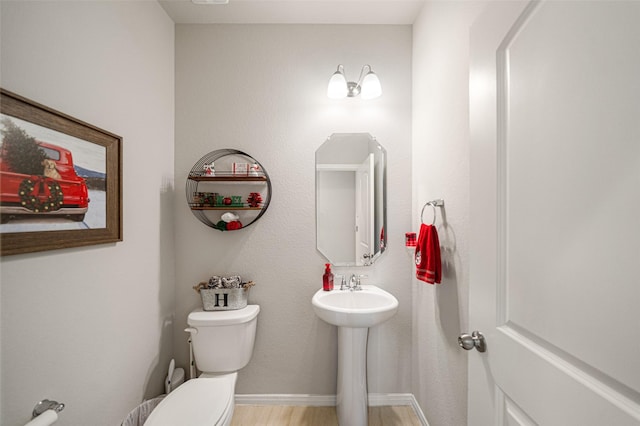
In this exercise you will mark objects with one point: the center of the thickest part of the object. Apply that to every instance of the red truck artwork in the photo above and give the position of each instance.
(57, 191)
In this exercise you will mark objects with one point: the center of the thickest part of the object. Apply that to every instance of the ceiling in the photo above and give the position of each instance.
(400, 12)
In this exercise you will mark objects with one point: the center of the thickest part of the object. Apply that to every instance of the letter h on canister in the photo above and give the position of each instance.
(225, 297)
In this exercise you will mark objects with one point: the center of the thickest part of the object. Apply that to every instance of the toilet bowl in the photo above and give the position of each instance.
(205, 401)
(222, 344)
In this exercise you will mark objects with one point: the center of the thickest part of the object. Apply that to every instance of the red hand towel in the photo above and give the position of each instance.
(427, 256)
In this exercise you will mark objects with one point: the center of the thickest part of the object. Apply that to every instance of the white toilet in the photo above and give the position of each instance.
(222, 344)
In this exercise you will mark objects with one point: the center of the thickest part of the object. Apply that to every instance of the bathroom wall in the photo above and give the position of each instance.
(91, 327)
(441, 170)
(262, 89)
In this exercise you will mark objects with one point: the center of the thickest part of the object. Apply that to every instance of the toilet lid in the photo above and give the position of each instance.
(200, 317)
(204, 401)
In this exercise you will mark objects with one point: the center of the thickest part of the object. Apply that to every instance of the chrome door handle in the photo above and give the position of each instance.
(475, 340)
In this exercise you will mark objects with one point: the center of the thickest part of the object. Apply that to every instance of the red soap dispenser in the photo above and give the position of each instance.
(327, 278)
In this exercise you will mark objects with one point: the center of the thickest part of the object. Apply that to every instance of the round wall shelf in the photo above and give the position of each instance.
(228, 190)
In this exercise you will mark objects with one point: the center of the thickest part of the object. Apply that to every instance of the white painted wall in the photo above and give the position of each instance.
(440, 150)
(91, 327)
(262, 89)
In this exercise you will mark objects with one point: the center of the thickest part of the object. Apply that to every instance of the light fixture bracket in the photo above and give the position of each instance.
(353, 89)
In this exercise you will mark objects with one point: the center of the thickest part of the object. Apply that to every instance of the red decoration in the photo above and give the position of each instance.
(254, 199)
(231, 226)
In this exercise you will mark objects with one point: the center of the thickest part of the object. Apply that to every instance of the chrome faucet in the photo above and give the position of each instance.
(354, 283)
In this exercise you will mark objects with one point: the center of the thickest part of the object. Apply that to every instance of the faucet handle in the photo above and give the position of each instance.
(358, 284)
(343, 281)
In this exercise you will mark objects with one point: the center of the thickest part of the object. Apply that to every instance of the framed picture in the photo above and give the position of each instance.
(60, 179)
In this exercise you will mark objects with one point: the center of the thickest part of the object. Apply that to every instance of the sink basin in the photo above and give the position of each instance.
(363, 308)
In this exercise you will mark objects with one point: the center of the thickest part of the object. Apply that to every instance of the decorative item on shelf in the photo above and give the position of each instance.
(234, 225)
(254, 169)
(224, 293)
(229, 222)
(209, 169)
(228, 200)
(205, 199)
(254, 199)
(230, 217)
(240, 169)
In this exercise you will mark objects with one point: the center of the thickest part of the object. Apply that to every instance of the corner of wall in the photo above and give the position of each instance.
(440, 146)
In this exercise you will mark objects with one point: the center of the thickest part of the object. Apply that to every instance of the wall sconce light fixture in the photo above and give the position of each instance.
(368, 85)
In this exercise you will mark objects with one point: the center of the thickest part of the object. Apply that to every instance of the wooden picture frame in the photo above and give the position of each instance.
(79, 202)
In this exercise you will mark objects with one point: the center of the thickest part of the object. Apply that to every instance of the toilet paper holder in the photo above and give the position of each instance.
(45, 405)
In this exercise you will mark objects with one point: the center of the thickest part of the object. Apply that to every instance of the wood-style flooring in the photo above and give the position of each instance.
(281, 415)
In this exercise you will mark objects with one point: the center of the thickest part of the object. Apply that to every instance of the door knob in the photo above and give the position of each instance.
(475, 340)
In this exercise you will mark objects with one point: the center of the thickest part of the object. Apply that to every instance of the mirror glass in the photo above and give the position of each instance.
(351, 214)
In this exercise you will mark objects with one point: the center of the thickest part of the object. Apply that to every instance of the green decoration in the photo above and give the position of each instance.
(40, 195)
(21, 151)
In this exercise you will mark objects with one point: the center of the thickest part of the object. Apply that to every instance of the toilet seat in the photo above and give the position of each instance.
(205, 401)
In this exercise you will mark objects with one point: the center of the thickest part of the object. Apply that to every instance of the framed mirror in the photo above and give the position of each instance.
(351, 213)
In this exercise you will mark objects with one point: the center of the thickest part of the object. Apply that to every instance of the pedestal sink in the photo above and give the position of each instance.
(353, 312)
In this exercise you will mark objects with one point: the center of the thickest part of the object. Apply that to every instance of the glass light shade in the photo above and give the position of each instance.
(371, 87)
(337, 86)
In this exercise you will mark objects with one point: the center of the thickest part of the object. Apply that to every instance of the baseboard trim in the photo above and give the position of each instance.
(379, 399)
(310, 400)
(418, 411)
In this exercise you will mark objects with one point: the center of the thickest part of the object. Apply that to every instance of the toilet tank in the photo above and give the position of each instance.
(223, 340)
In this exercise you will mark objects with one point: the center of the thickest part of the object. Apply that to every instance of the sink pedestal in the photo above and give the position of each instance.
(351, 404)
(353, 312)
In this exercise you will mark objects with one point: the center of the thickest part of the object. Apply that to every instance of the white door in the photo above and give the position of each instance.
(555, 208)
(365, 210)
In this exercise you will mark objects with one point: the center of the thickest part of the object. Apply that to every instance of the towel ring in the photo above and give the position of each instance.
(433, 204)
